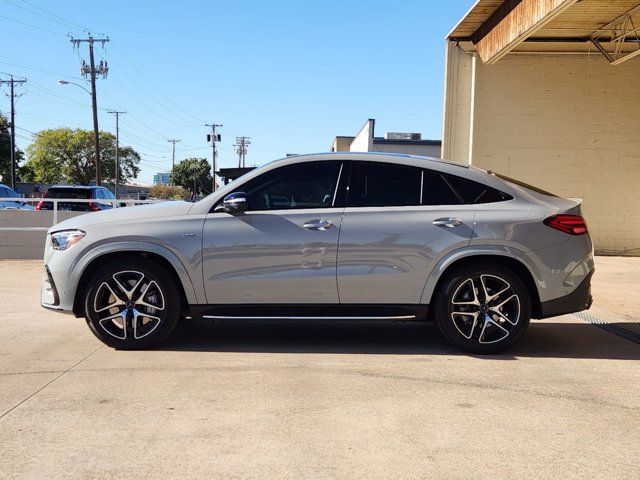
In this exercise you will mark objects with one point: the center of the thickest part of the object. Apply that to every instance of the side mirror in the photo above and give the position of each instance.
(235, 202)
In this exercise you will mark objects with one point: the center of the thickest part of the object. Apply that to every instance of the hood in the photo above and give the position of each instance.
(152, 210)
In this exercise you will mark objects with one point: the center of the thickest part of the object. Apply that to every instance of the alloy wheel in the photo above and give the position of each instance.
(129, 304)
(485, 309)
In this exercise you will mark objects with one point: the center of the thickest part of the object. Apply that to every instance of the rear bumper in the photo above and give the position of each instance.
(576, 301)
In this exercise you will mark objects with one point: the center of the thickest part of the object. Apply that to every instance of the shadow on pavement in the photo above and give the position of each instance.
(543, 339)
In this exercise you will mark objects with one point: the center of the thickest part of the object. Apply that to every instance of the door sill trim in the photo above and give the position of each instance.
(323, 317)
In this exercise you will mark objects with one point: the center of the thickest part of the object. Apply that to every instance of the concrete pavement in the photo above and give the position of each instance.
(312, 400)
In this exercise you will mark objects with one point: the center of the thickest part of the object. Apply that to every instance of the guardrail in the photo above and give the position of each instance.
(117, 203)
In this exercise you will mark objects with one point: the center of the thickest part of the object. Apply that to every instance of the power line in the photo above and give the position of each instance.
(169, 99)
(66, 21)
(32, 26)
(64, 24)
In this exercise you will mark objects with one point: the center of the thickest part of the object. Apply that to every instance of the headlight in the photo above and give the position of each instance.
(65, 238)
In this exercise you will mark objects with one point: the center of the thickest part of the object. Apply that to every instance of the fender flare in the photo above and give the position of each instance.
(194, 295)
(476, 251)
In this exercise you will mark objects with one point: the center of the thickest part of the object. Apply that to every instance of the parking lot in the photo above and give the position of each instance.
(319, 400)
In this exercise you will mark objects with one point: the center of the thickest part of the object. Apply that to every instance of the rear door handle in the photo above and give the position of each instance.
(447, 222)
(321, 224)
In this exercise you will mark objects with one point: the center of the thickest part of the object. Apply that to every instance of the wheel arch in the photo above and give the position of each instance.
(496, 257)
(171, 263)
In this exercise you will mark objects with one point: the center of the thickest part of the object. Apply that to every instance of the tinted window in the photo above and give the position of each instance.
(308, 185)
(80, 193)
(385, 185)
(436, 191)
(474, 192)
(108, 194)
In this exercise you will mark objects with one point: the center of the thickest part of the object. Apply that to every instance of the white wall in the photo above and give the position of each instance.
(26, 244)
(568, 124)
(363, 141)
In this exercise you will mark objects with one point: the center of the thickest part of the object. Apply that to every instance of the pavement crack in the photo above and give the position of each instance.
(49, 383)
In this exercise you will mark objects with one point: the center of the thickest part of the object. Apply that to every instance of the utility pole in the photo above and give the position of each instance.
(241, 149)
(12, 82)
(173, 159)
(91, 71)
(213, 138)
(117, 114)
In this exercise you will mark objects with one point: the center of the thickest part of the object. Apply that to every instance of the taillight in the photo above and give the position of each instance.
(39, 205)
(571, 224)
(93, 207)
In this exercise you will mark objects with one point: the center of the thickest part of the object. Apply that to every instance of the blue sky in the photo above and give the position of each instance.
(290, 75)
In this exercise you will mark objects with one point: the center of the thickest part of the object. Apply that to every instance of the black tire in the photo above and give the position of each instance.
(456, 318)
(149, 284)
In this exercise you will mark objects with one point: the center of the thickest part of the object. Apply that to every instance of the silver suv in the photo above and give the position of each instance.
(349, 236)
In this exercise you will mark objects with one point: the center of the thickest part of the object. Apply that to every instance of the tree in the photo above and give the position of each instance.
(193, 172)
(166, 192)
(5, 153)
(63, 154)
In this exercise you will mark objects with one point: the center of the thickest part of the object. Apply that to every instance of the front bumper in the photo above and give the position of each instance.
(576, 301)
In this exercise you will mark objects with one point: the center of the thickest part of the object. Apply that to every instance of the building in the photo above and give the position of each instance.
(162, 178)
(548, 91)
(393, 142)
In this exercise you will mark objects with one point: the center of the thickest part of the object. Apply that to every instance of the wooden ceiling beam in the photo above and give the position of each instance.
(512, 23)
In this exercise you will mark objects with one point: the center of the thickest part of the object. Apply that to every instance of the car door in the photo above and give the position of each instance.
(399, 221)
(283, 248)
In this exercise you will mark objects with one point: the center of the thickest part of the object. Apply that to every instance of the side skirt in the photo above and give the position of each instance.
(398, 313)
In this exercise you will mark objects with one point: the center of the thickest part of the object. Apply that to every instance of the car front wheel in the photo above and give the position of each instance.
(131, 304)
(483, 309)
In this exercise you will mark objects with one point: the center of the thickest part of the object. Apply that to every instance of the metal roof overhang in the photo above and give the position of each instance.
(495, 28)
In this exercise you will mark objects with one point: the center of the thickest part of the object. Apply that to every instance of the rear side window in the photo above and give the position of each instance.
(437, 191)
(471, 192)
(385, 185)
(79, 193)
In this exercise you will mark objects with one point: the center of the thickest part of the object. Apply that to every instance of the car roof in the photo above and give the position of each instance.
(77, 187)
(372, 156)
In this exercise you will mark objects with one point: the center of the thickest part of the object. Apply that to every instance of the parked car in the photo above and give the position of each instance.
(77, 192)
(8, 192)
(349, 236)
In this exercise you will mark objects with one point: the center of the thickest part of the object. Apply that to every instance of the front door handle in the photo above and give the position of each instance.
(447, 222)
(321, 224)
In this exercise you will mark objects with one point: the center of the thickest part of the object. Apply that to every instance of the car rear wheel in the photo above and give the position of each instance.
(482, 308)
(132, 304)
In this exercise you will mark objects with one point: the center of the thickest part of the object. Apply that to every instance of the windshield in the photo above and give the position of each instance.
(522, 184)
(79, 193)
